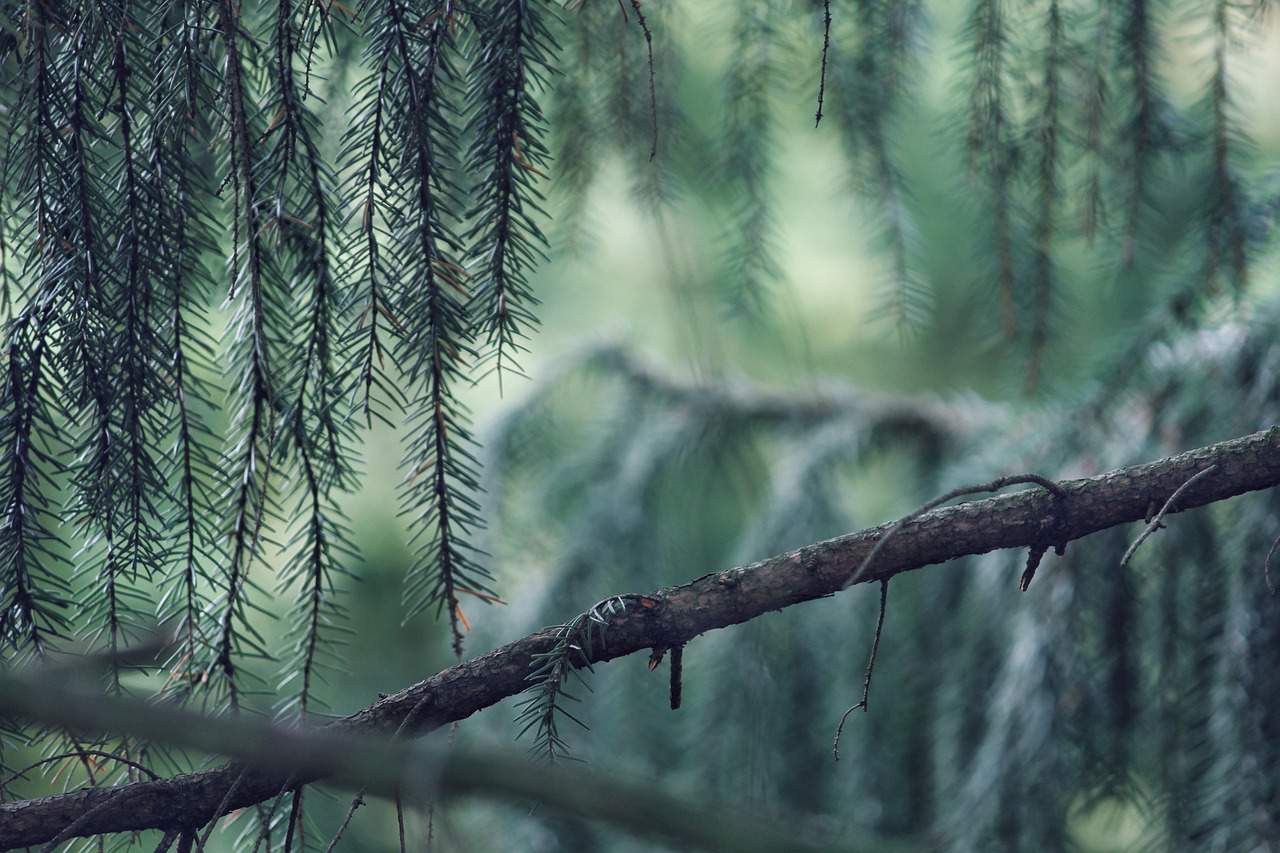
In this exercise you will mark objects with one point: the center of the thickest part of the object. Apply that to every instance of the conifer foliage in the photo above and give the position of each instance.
(239, 234)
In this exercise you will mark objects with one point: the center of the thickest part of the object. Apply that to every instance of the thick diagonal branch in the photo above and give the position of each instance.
(674, 615)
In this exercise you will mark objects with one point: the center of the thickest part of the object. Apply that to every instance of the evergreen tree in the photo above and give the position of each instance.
(243, 242)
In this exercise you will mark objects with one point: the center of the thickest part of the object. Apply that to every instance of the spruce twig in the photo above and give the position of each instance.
(862, 704)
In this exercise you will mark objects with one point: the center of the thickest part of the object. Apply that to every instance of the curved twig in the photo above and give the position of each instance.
(871, 667)
(358, 800)
(1266, 566)
(78, 754)
(1154, 524)
(220, 811)
(993, 486)
(346, 820)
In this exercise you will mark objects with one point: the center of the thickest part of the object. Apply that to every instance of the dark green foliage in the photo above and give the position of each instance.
(511, 64)
(403, 157)
(239, 237)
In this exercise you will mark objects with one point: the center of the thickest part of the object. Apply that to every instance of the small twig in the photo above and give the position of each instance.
(871, 666)
(826, 46)
(1266, 566)
(218, 812)
(346, 820)
(167, 841)
(400, 821)
(1034, 556)
(677, 676)
(358, 800)
(295, 812)
(265, 833)
(80, 754)
(431, 806)
(1154, 524)
(993, 486)
(653, 87)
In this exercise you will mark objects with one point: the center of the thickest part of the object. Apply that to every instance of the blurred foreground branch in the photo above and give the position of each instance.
(665, 618)
(279, 757)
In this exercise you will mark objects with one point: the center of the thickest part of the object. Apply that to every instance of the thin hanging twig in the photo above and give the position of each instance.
(826, 47)
(346, 820)
(431, 806)
(295, 812)
(1266, 566)
(400, 821)
(358, 800)
(220, 810)
(265, 820)
(677, 676)
(871, 666)
(1155, 524)
(653, 86)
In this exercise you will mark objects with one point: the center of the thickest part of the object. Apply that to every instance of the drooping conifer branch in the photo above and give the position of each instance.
(314, 437)
(440, 439)
(182, 97)
(1095, 141)
(36, 596)
(363, 154)
(1048, 132)
(94, 279)
(1143, 128)
(415, 289)
(1225, 232)
(142, 382)
(32, 611)
(991, 149)
(576, 126)
(254, 423)
(871, 80)
(511, 62)
(749, 258)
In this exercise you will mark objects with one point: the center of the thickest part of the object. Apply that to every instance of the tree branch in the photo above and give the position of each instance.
(415, 772)
(675, 615)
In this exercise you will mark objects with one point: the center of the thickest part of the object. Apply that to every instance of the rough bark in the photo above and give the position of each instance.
(674, 615)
